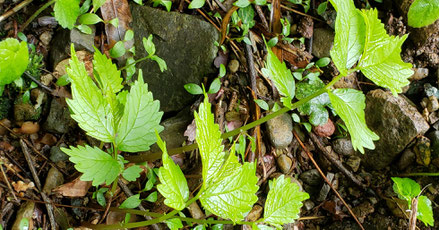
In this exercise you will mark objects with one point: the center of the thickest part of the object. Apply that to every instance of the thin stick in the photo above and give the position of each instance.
(15, 9)
(38, 82)
(326, 179)
(7, 182)
(38, 12)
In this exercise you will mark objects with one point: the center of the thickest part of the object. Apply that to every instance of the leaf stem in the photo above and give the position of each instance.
(187, 148)
(135, 62)
(420, 174)
(41, 9)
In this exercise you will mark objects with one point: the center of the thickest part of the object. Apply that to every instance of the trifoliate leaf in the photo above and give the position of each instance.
(425, 211)
(66, 12)
(132, 173)
(406, 188)
(174, 224)
(195, 4)
(281, 76)
(12, 51)
(284, 201)
(209, 140)
(95, 164)
(233, 192)
(141, 116)
(381, 61)
(88, 106)
(349, 35)
(349, 105)
(106, 73)
(423, 13)
(131, 202)
(173, 183)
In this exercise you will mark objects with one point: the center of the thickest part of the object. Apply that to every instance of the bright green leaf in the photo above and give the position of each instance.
(118, 50)
(66, 12)
(89, 19)
(149, 45)
(106, 74)
(84, 29)
(114, 22)
(174, 224)
(349, 105)
(406, 188)
(242, 3)
(173, 183)
(284, 201)
(425, 211)
(423, 13)
(222, 72)
(129, 35)
(132, 173)
(322, 8)
(215, 86)
(141, 116)
(322, 62)
(97, 4)
(160, 62)
(12, 51)
(193, 89)
(261, 2)
(195, 4)
(88, 106)
(63, 80)
(152, 197)
(95, 164)
(131, 202)
(349, 36)
(262, 104)
(281, 76)
(381, 61)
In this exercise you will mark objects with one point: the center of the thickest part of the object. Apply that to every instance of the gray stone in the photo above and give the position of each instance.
(280, 130)
(343, 146)
(59, 120)
(396, 121)
(434, 138)
(432, 104)
(54, 179)
(407, 158)
(185, 42)
(26, 211)
(325, 188)
(284, 163)
(322, 43)
(60, 45)
(354, 162)
(56, 155)
(420, 73)
(311, 177)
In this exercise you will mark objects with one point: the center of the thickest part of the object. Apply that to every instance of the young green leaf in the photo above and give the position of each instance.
(209, 140)
(322, 62)
(215, 86)
(141, 116)
(89, 19)
(284, 201)
(131, 202)
(193, 89)
(423, 13)
(95, 164)
(66, 12)
(97, 4)
(262, 104)
(63, 80)
(322, 8)
(242, 3)
(349, 36)
(406, 188)
(425, 211)
(106, 73)
(173, 183)
(381, 61)
(129, 35)
(195, 4)
(222, 72)
(88, 106)
(281, 76)
(160, 62)
(132, 173)
(174, 224)
(12, 51)
(118, 50)
(233, 192)
(84, 29)
(149, 45)
(167, 4)
(152, 197)
(349, 105)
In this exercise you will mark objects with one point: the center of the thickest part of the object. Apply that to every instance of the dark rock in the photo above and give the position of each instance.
(185, 42)
(396, 121)
(59, 120)
(60, 45)
(407, 158)
(280, 130)
(311, 177)
(322, 42)
(56, 155)
(434, 143)
(422, 151)
(54, 179)
(343, 146)
(5, 107)
(325, 188)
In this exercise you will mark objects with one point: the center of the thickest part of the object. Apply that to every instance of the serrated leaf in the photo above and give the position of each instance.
(233, 192)
(89, 19)
(173, 183)
(141, 116)
(349, 36)
(131, 202)
(284, 201)
(95, 164)
(425, 211)
(209, 140)
(281, 76)
(66, 12)
(12, 51)
(349, 105)
(106, 74)
(132, 173)
(381, 61)
(195, 4)
(88, 106)
(423, 13)
(174, 224)
(406, 188)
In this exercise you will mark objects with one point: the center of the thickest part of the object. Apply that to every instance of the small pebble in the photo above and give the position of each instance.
(56, 155)
(432, 104)
(284, 163)
(233, 66)
(29, 127)
(354, 162)
(255, 213)
(325, 130)
(45, 38)
(420, 73)
(343, 146)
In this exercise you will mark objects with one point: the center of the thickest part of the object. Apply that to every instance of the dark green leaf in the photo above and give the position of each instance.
(322, 62)
(118, 50)
(132, 173)
(322, 8)
(193, 89)
(131, 202)
(152, 197)
(63, 80)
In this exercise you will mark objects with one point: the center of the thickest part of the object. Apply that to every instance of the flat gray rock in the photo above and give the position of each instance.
(396, 120)
(185, 42)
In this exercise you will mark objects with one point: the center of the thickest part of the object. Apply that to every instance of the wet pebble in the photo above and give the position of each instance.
(432, 104)
(255, 213)
(325, 130)
(233, 66)
(419, 74)
(54, 179)
(284, 163)
(343, 146)
(354, 162)
(26, 211)
(311, 177)
(280, 130)
(56, 155)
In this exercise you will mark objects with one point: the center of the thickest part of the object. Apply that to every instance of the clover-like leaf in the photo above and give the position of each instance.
(66, 12)
(284, 201)
(173, 183)
(141, 116)
(349, 35)
(381, 61)
(12, 51)
(96, 165)
(349, 105)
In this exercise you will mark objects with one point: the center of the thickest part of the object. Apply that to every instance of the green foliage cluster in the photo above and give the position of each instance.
(407, 189)
(12, 51)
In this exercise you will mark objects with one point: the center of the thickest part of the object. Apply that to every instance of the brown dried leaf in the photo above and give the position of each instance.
(76, 188)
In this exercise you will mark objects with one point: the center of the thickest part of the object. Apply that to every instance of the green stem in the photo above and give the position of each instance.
(41, 9)
(420, 174)
(114, 186)
(135, 62)
(187, 148)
